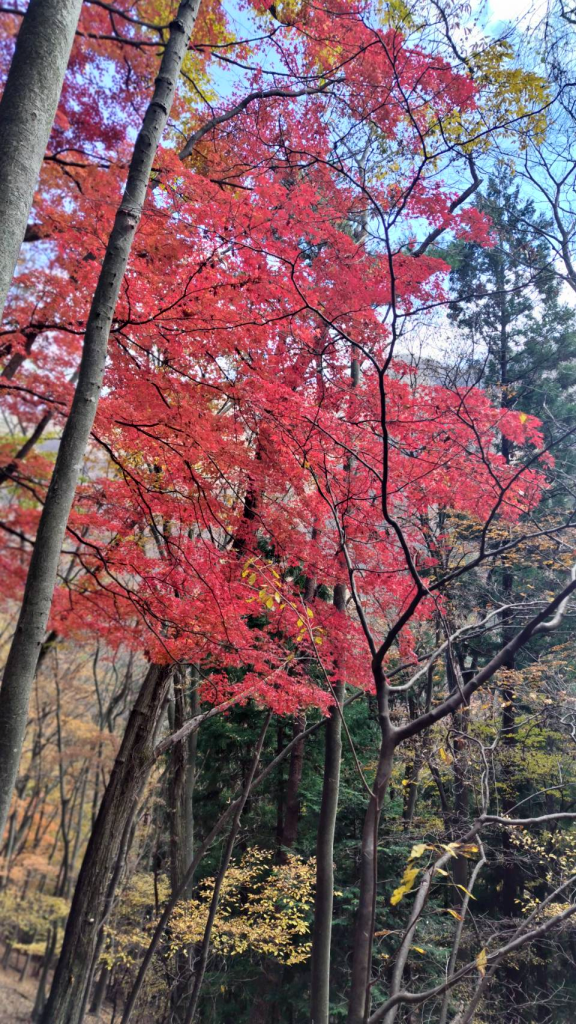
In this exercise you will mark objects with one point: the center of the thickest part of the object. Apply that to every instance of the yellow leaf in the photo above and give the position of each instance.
(419, 950)
(417, 850)
(523, 417)
(451, 848)
(445, 756)
(468, 849)
(454, 914)
(481, 962)
(409, 876)
(464, 889)
(398, 894)
(408, 879)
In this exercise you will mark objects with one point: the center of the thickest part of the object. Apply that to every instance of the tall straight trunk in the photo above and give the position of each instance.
(364, 933)
(219, 880)
(324, 898)
(510, 874)
(292, 798)
(41, 579)
(270, 984)
(40, 999)
(92, 894)
(194, 711)
(177, 788)
(100, 992)
(27, 111)
(181, 818)
(323, 902)
(459, 823)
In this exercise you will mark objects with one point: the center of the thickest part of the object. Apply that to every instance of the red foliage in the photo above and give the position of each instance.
(232, 457)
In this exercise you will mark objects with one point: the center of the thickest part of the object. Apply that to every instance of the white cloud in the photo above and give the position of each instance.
(524, 13)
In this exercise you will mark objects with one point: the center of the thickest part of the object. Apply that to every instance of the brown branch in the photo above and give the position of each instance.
(452, 703)
(473, 187)
(259, 94)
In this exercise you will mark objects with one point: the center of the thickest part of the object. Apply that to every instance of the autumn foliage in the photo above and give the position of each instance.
(264, 435)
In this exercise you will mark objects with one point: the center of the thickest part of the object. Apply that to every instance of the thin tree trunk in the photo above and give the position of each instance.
(292, 797)
(461, 809)
(180, 812)
(41, 990)
(510, 873)
(123, 851)
(177, 788)
(100, 992)
(41, 579)
(412, 774)
(324, 898)
(78, 836)
(92, 894)
(191, 1014)
(323, 902)
(364, 933)
(194, 711)
(27, 111)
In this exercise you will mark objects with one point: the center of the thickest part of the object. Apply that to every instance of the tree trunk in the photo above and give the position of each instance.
(127, 781)
(41, 579)
(181, 810)
(27, 111)
(292, 798)
(194, 711)
(219, 880)
(364, 933)
(100, 991)
(46, 965)
(177, 788)
(323, 902)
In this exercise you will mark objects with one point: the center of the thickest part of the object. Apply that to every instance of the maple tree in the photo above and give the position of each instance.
(275, 503)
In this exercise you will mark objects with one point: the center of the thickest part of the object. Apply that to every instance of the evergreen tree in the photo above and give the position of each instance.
(508, 299)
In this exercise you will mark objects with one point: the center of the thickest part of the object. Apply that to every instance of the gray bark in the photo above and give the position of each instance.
(29, 635)
(27, 111)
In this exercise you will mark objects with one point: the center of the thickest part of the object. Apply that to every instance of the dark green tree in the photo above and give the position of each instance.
(507, 299)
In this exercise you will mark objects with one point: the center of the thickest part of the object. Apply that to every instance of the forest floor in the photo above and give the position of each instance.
(17, 999)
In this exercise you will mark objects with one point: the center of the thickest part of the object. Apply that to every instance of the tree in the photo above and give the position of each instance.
(27, 110)
(507, 298)
(30, 630)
